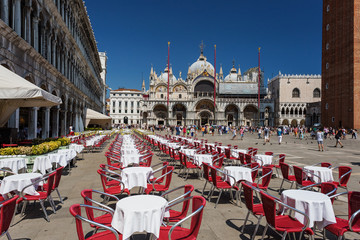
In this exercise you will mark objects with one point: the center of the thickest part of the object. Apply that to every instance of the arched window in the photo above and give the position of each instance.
(180, 96)
(316, 93)
(291, 111)
(296, 111)
(161, 95)
(296, 93)
(282, 111)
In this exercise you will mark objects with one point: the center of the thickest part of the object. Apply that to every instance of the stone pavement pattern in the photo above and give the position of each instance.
(224, 222)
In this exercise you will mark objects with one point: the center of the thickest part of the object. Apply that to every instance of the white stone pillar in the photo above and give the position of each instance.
(55, 122)
(17, 17)
(35, 34)
(14, 119)
(28, 23)
(46, 123)
(4, 11)
(33, 119)
(63, 122)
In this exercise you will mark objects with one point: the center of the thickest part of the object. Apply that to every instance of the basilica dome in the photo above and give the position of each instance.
(200, 65)
(164, 76)
(232, 77)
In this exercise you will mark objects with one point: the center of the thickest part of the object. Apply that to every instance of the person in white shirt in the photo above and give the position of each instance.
(320, 139)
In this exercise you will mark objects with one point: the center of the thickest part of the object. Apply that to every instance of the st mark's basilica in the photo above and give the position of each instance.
(191, 100)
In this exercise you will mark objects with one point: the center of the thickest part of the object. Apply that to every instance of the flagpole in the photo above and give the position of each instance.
(214, 81)
(167, 119)
(259, 88)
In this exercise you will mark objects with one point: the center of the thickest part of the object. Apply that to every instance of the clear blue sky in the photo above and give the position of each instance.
(135, 34)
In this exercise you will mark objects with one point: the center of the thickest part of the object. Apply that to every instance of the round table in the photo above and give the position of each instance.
(14, 164)
(263, 159)
(316, 205)
(235, 152)
(140, 213)
(77, 147)
(239, 173)
(324, 173)
(128, 159)
(59, 159)
(18, 182)
(42, 164)
(199, 159)
(135, 176)
(129, 151)
(189, 152)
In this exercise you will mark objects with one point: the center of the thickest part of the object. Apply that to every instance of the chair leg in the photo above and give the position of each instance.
(44, 210)
(8, 235)
(204, 188)
(257, 227)
(23, 208)
(247, 217)
(284, 236)
(265, 230)
(282, 182)
(217, 201)
(211, 193)
(52, 204)
(324, 233)
(58, 193)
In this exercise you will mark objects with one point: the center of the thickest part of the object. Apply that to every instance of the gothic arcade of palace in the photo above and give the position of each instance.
(191, 100)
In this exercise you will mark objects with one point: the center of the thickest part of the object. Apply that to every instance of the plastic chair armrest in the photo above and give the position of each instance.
(352, 219)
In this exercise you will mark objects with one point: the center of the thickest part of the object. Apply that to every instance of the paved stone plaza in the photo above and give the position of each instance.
(224, 222)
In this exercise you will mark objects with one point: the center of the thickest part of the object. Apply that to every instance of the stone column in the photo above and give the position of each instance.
(35, 24)
(14, 119)
(28, 22)
(33, 119)
(4, 11)
(53, 61)
(48, 47)
(63, 122)
(55, 122)
(17, 17)
(46, 123)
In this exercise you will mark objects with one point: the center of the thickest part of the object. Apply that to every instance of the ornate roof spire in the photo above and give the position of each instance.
(239, 72)
(152, 70)
(221, 71)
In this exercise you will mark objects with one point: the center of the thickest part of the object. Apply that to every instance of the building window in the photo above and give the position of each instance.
(113, 110)
(119, 110)
(161, 95)
(327, 27)
(138, 104)
(296, 93)
(316, 93)
(125, 111)
(327, 65)
(327, 86)
(328, 8)
(113, 104)
(326, 106)
(333, 119)
(132, 95)
(138, 111)
(126, 104)
(327, 46)
(132, 104)
(180, 96)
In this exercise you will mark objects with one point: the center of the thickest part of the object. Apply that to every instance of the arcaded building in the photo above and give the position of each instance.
(341, 64)
(191, 97)
(291, 94)
(51, 44)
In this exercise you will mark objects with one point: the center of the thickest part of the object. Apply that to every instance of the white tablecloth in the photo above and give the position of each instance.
(140, 213)
(136, 176)
(316, 205)
(128, 159)
(127, 151)
(324, 173)
(18, 182)
(59, 159)
(189, 152)
(263, 159)
(69, 153)
(42, 164)
(239, 173)
(15, 164)
(77, 147)
(235, 152)
(199, 159)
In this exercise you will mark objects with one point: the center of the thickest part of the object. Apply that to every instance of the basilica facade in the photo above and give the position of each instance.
(191, 99)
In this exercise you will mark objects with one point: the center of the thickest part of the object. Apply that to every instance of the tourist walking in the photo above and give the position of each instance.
(259, 132)
(338, 136)
(241, 133)
(234, 133)
(279, 134)
(320, 139)
(266, 135)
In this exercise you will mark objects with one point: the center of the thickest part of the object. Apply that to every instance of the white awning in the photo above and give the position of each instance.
(16, 92)
(94, 117)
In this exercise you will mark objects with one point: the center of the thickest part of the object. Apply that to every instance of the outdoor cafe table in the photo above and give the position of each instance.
(59, 159)
(18, 182)
(239, 173)
(14, 164)
(126, 151)
(42, 164)
(77, 147)
(235, 152)
(199, 159)
(222, 148)
(135, 176)
(263, 159)
(128, 159)
(189, 151)
(314, 204)
(324, 173)
(140, 213)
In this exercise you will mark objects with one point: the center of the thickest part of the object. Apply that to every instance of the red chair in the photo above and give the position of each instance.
(220, 184)
(229, 156)
(300, 177)
(7, 209)
(282, 223)
(152, 187)
(146, 160)
(327, 188)
(344, 176)
(281, 159)
(113, 190)
(263, 182)
(104, 219)
(162, 169)
(352, 224)
(248, 158)
(269, 153)
(285, 170)
(218, 161)
(255, 209)
(110, 171)
(176, 216)
(43, 195)
(187, 165)
(254, 151)
(177, 232)
(324, 164)
(109, 233)
(56, 182)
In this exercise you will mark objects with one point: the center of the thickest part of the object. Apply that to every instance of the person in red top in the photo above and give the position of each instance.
(184, 131)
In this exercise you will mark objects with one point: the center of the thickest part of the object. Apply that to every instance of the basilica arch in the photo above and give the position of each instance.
(204, 112)
(179, 113)
(160, 112)
(250, 115)
(232, 114)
